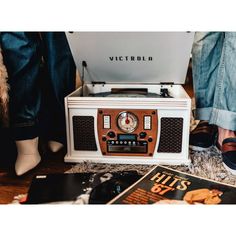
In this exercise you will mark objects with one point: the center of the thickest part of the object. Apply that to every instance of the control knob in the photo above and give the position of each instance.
(111, 134)
(142, 134)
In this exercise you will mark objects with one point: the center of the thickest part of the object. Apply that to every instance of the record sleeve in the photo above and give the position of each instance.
(79, 188)
(167, 186)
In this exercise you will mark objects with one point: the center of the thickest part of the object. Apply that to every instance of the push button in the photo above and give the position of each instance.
(106, 122)
(147, 122)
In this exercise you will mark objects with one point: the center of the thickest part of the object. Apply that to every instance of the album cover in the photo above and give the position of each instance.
(79, 188)
(167, 186)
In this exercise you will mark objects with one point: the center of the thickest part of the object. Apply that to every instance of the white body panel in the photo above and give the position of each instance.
(178, 106)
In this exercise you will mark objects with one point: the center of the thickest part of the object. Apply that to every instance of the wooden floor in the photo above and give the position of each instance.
(12, 185)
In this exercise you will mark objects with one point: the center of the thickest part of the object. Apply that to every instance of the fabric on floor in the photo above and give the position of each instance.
(206, 164)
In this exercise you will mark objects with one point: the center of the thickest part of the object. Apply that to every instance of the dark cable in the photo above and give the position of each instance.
(84, 65)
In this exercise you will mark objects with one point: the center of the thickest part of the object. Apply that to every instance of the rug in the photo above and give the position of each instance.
(206, 164)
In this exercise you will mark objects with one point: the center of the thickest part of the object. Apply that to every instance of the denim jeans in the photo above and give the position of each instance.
(41, 73)
(214, 78)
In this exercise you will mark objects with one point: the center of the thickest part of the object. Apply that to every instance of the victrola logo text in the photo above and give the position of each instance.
(130, 58)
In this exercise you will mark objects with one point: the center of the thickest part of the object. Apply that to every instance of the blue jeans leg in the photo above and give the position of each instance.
(38, 87)
(21, 54)
(214, 56)
(59, 80)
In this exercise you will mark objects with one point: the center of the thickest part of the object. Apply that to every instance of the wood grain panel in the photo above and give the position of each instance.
(139, 113)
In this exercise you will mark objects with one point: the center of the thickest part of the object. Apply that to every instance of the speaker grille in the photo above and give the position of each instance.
(83, 129)
(171, 135)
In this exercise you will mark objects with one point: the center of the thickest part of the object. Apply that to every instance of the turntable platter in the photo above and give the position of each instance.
(128, 95)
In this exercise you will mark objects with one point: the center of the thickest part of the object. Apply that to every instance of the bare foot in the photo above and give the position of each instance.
(224, 133)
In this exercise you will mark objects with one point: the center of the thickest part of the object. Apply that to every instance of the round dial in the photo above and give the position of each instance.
(127, 122)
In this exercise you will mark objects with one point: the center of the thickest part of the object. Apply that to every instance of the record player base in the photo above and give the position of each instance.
(125, 160)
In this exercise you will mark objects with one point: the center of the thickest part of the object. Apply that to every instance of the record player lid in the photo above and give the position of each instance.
(132, 57)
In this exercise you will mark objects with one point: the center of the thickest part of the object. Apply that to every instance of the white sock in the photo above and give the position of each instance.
(55, 146)
(28, 155)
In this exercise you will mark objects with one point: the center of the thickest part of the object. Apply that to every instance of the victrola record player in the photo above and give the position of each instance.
(131, 107)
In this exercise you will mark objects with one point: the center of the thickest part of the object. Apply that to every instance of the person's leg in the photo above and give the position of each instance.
(61, 72)
(222, 109)
(206, 54)
(224, 106)
(22, 59)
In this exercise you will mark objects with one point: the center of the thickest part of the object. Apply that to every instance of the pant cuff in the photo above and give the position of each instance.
(202, 113)
(224, 119)
(24, 133)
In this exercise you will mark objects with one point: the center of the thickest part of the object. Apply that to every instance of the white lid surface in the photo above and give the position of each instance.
(132, 57)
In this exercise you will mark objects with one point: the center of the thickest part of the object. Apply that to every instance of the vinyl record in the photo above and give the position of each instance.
(109, 189)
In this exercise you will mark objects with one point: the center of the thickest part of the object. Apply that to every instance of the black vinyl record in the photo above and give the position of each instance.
(109, 189)
(77, 188)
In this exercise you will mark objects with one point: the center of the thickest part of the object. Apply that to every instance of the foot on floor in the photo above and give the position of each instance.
(28, 156)
(203, 136)
(55, 146)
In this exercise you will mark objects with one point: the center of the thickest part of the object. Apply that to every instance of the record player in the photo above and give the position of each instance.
(131, 107)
